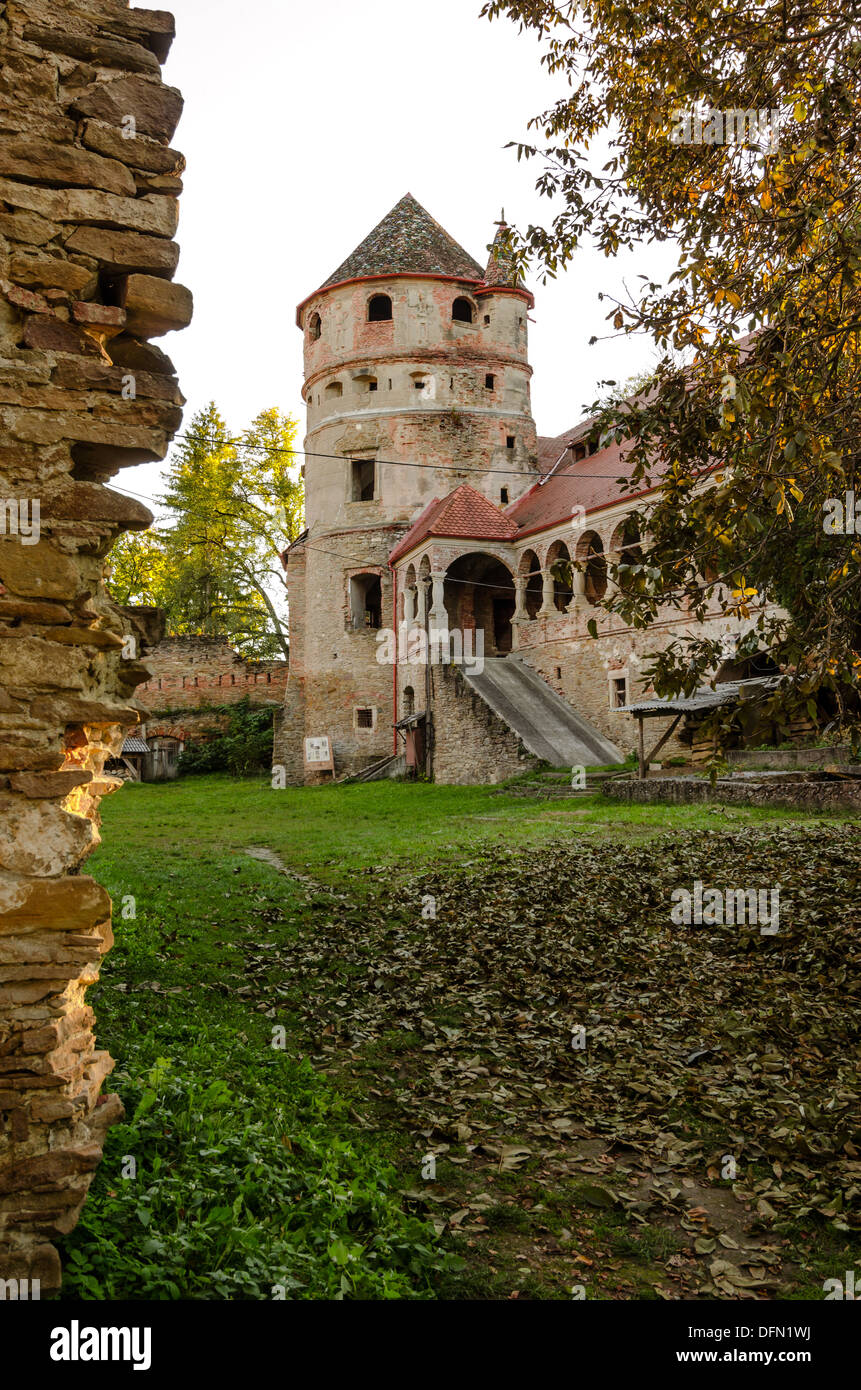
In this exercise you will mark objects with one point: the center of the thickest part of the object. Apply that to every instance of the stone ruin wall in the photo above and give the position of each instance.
(88, 211)
(186, 672)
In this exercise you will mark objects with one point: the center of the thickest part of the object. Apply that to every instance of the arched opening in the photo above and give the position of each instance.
(562, 572)
(479, 598)
(626, 551)
(533, 594)
(315, 327)
(366, 602)
(462, 311)
(591, 559)
(409, 701)
(380, 309)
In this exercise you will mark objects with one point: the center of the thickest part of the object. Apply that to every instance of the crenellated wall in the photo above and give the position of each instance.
(88, 211)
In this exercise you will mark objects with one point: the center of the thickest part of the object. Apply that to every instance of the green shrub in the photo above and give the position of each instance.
(245, 746)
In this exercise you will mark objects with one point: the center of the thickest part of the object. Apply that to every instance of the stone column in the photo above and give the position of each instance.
(89, 210)
(578, 584)
(547, 605)
(409, 605)
(520, 612)
(438, 615)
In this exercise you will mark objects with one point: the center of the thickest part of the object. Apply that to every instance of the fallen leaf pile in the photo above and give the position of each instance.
(701, 1042)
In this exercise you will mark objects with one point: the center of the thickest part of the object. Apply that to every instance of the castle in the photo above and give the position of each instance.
(432, 505)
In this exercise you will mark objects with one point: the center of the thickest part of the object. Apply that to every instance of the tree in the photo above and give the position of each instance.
(733, 132)
(232, 507)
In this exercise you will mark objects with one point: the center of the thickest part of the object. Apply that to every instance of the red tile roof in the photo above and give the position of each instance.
(592, 482)
(464, 514)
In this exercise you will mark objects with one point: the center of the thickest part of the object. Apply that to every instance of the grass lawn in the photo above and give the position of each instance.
(320, 997)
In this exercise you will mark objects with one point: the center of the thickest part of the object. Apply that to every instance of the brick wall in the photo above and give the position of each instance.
(189, 671)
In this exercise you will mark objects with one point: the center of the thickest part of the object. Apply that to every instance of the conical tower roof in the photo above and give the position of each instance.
(501, 269)
(407, 241)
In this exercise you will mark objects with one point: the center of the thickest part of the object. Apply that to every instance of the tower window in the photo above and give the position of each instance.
(335, 388)
(503, 496)
(559, 673)
(489, 381)
(315, 327)
(364, 719)
(380, 309)
(461, 311)
(510, 441)
(366, 602)
(363, 480)
(372, 384)
(619, 692)
(486, 320)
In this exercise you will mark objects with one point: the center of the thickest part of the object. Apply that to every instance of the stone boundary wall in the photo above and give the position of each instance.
(800, 796)
(472, 745)
(766, 758)
(88, 211)
(189, 671)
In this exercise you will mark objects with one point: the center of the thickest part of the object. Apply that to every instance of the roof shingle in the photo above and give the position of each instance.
(464, 514)
(407, 241)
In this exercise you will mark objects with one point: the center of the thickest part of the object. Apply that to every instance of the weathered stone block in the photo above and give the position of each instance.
(139, 153)
(61, 905)
(93, 48)
(125, 252)
(156, 109)
(155, 307)
(156, 215)
(38, 571)
(67, 166)
(53, 272)
(52, 335)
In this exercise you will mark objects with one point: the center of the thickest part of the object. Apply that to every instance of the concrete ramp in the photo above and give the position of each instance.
(545, 723)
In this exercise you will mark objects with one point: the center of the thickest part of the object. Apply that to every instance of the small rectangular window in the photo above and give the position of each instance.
(364, 719)
(619, 692)
(364, 480)
(489, 381)
(487, 319)
(419, 385)
(503, 496)
(510, 442)
(372, 385)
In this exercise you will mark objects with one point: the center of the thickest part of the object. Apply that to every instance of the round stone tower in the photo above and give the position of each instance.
(417, 379)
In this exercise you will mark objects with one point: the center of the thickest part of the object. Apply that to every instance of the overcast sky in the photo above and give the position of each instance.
(304, 124)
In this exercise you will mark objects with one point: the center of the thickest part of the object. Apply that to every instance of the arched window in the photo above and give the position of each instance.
(409, 701)
(530, 569)
(590, 557)
(366, 601)
(315, 327)
(559, 564)
(461, 311)
(380, 309)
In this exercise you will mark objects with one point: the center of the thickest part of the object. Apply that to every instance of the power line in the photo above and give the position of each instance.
(399, 463)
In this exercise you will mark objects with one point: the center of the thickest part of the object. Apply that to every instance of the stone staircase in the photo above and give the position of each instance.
(545, 723)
